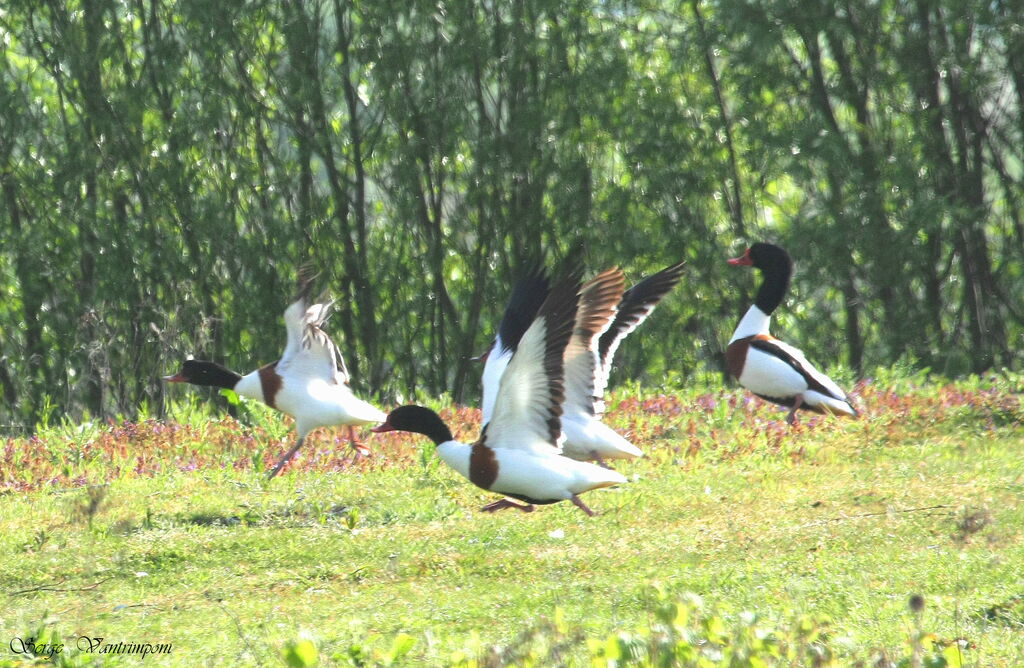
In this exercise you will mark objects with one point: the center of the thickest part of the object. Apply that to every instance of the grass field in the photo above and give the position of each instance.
(739, 541)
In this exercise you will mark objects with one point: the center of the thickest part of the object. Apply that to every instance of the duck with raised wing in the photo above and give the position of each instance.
(771, 369)
(310, 382)
(586, 436)
(588, 360)
(517, 454)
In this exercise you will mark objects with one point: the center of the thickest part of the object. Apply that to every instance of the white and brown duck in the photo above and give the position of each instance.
(771, 369)
(518, 454)
(589, 363)
(310, 382)
(588, 358)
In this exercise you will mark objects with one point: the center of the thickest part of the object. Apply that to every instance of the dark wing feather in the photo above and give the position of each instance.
(637, 303)
(529, 293)
(598, 300)
(528, 406)
(304, 283)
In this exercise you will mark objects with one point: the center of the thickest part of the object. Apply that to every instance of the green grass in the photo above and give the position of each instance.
(737, 540)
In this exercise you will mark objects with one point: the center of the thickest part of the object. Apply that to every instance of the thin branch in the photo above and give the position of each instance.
(843, 518)
(56, 587)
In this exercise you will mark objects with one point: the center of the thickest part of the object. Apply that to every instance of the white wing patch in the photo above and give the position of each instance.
(494, 367)
(294, 324)
(626, 328)
(522, 407)
(581, 371)
(310, 353)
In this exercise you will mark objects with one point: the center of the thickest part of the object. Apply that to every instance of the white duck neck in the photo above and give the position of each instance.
(754, 322)
(456, 455)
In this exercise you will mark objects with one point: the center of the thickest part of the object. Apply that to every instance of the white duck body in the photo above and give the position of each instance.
(776, 378)
(323, 404)
(310, 381)
(589, 438)
(528, 475)
(583, 436)
(313, 402)
(588, 358)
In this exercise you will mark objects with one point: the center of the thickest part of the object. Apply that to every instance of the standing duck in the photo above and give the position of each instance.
(517, 454)
(310, 382)
(588, 360)
(771, 369)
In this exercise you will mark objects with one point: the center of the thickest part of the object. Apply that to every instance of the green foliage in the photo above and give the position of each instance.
(300, 653)
(164, 171)
(682, 630)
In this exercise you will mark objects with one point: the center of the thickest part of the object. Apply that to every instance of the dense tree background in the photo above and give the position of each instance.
(165, 167)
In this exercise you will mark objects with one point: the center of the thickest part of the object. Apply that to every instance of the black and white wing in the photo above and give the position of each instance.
(598, 301)
(637, 303)
(528, 294)
(528, 405)
(309, 351)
